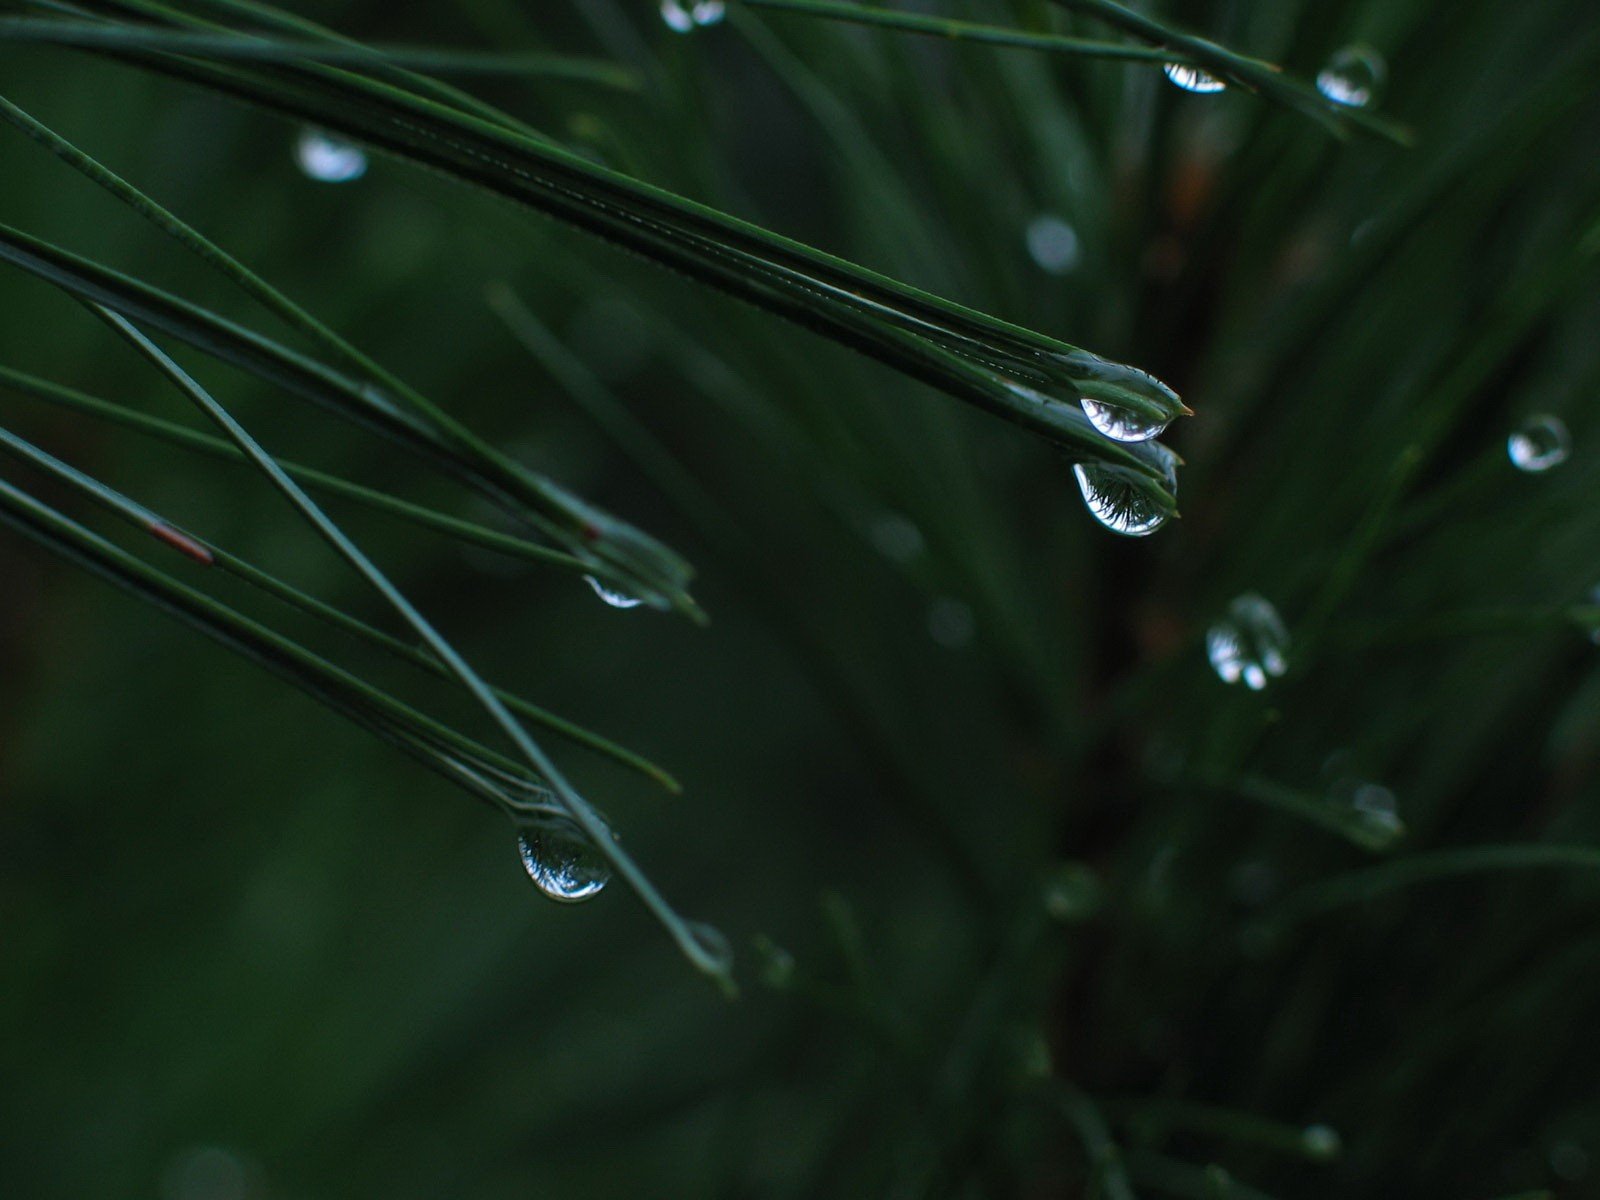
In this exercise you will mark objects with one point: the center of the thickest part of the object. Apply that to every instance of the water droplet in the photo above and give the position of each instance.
(1352, 77)
(681, 17)
(897, 537)
(1322, 1142)
(1124, 500)
(207, 1173)
(1539, 443)
(951, 623)
(777, 964)
(1249, 644)
(1053, 244)
(712, 943)
(611, 595)
(1378, 815)
(561, 861)
(1193, 79)
(1374, 813)
(329, 159)
(1569, 1161)
(1072, 893)
(1121, 423)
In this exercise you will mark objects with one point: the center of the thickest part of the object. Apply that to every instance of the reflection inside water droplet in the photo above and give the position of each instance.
(1053, 244)
(682, 17)
(1250, 644)
(1193, 79)
(1122, 423)
(1352, 77)
(613, 597)
(561, 861)
(1539, 443)
(1126, 501)
(328, 159)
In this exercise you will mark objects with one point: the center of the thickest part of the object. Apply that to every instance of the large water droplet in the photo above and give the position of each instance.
(1193, 79)
(329, 159)
(681, 17)
(1539, 443)
(1053, 244)
(613, 597)
(1250, 644)
(1121, 423)
(1124, 500)
(561, 861)
(1352, 77)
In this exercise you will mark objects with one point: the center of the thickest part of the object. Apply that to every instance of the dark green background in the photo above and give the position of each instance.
(247, 951)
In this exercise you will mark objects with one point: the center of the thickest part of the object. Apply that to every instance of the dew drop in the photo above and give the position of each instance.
(1193, 79)
(1539, 443)
(712, 943)
(1321, 1142)
(683, 17)
(613, 597)
(1374, 813)
(1250, 644)
(897, 537)
(329, 159)
(1071, 893)
(951, 623)
(1121, 423)
(1053, 244)
(561, 861)
(1352, 77)
(1123, 500)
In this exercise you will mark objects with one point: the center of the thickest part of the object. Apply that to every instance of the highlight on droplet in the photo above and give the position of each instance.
(1193, 79)
(328, 159)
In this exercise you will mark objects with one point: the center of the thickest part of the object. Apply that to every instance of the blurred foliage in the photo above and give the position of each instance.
(251, 952)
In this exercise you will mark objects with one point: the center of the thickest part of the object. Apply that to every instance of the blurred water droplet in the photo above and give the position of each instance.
(1322, 1142)
(1375, 814)
(777, 964)
(611, 595)
(1122, 499)
(1352, 77)
(1193, 79)
(1539, 443)
(1072, 892)
(1594, 602)
(329, 159)
(713, 943)
(951, 623)
(681, 17)
(897, 537)
(205, 1173)
(1254, 882)
(561, 861)
(1053, 244)
(1249, 644)
(1569, 1161)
